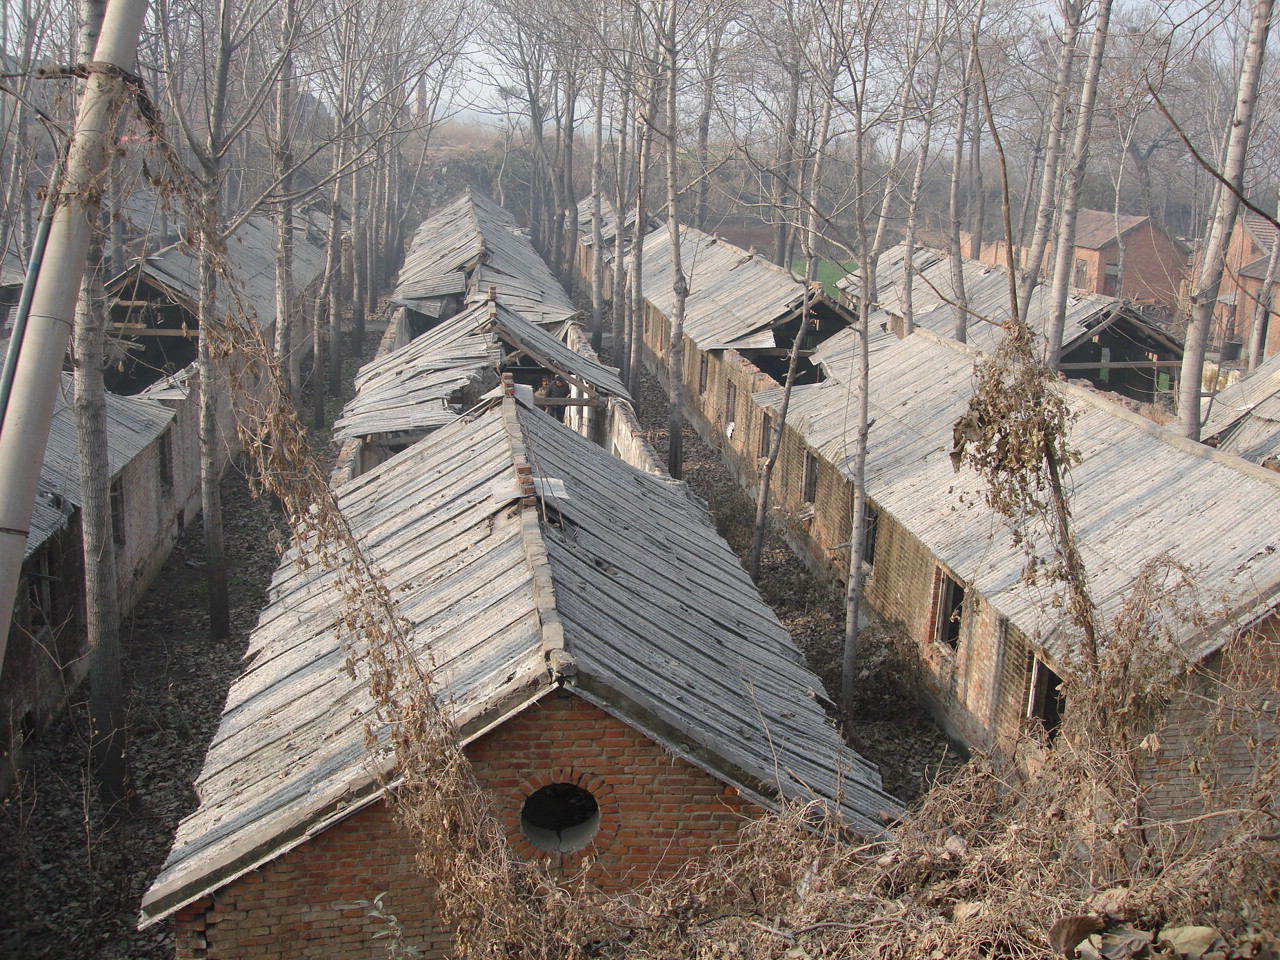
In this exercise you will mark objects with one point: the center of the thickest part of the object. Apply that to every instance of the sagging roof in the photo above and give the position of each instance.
(132, 425)
(608, 222)
(986, 290)
(251, 261)
(1244, 419)
(1139, 493)
(409, 388)
(735, 297)
(666, 630)
(473, 245)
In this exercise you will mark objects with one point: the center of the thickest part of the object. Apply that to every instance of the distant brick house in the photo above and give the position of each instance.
(618, 683)
(1247, 259)
(1119, 255)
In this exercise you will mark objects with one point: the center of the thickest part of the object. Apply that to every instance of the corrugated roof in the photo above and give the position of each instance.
(409, 388)
(1245, 417)
(666, 629)
(473, 244)
(1140, 492)
(251, 260)
(734, 296)
(133, 424)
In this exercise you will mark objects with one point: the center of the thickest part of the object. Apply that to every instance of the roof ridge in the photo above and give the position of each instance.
(560, 662)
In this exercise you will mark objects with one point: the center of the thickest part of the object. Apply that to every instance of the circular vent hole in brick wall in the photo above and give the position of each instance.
(560, 818)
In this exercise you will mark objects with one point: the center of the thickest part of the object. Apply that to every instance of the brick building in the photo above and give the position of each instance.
(616, 679)
(1247, 263)
(1118, 255)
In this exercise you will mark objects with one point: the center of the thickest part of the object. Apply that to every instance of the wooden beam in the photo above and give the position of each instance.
(1120, 365)
(140, 330)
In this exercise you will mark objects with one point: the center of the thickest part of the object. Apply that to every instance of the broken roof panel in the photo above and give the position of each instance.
(986, 290)
(1244, 419)
(473, 244)
(250, 255)
(1139, 493)
(409, 388)
(734, 296)
(663, 623)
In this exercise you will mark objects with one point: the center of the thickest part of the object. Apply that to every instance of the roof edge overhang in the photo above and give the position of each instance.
(769, 796)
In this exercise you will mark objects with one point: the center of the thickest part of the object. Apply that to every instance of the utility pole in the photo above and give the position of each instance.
(24, 427)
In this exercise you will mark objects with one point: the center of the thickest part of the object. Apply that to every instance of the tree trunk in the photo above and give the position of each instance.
(913, 204)
(28, 408)
(286, 351)
(1072, 12)
(680, 285)
(1209, 276)
(1262, 309)
(210, 436)
(597, 211)
(1064, 254)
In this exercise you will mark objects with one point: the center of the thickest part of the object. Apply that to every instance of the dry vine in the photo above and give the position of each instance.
(982, 869)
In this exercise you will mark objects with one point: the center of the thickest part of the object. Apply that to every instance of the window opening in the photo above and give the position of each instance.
(810, 477)
(950, 608)
(1047, 702)
(560, 818)
(871, 528)
(166, 461)
(766, 435)
(117, 511)
(704, 368)
(730, 404)
(1081, 274)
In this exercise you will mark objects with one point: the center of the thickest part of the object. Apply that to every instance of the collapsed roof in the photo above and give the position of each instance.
(469, 247)
(410, 388)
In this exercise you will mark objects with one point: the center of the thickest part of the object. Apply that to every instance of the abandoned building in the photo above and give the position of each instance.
(464, 251)
(601, 649)
(431, 380)
(942, 566)
(152, 484)
(1244, 418)
(1106, 341)
(154, 326)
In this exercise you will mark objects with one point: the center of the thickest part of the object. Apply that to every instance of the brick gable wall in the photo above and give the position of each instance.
(657, 812)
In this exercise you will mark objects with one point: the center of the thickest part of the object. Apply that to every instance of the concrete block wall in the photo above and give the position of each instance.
(657, 812)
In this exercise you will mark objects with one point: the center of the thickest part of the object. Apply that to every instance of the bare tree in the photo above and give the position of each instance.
(1204, 294)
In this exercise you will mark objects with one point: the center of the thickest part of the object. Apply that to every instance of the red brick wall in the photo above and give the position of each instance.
(656, 812)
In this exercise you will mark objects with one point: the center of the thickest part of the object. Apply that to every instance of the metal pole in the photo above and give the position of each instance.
(24, 430)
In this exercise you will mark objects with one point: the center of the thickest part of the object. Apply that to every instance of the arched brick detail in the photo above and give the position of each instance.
(591, 781)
